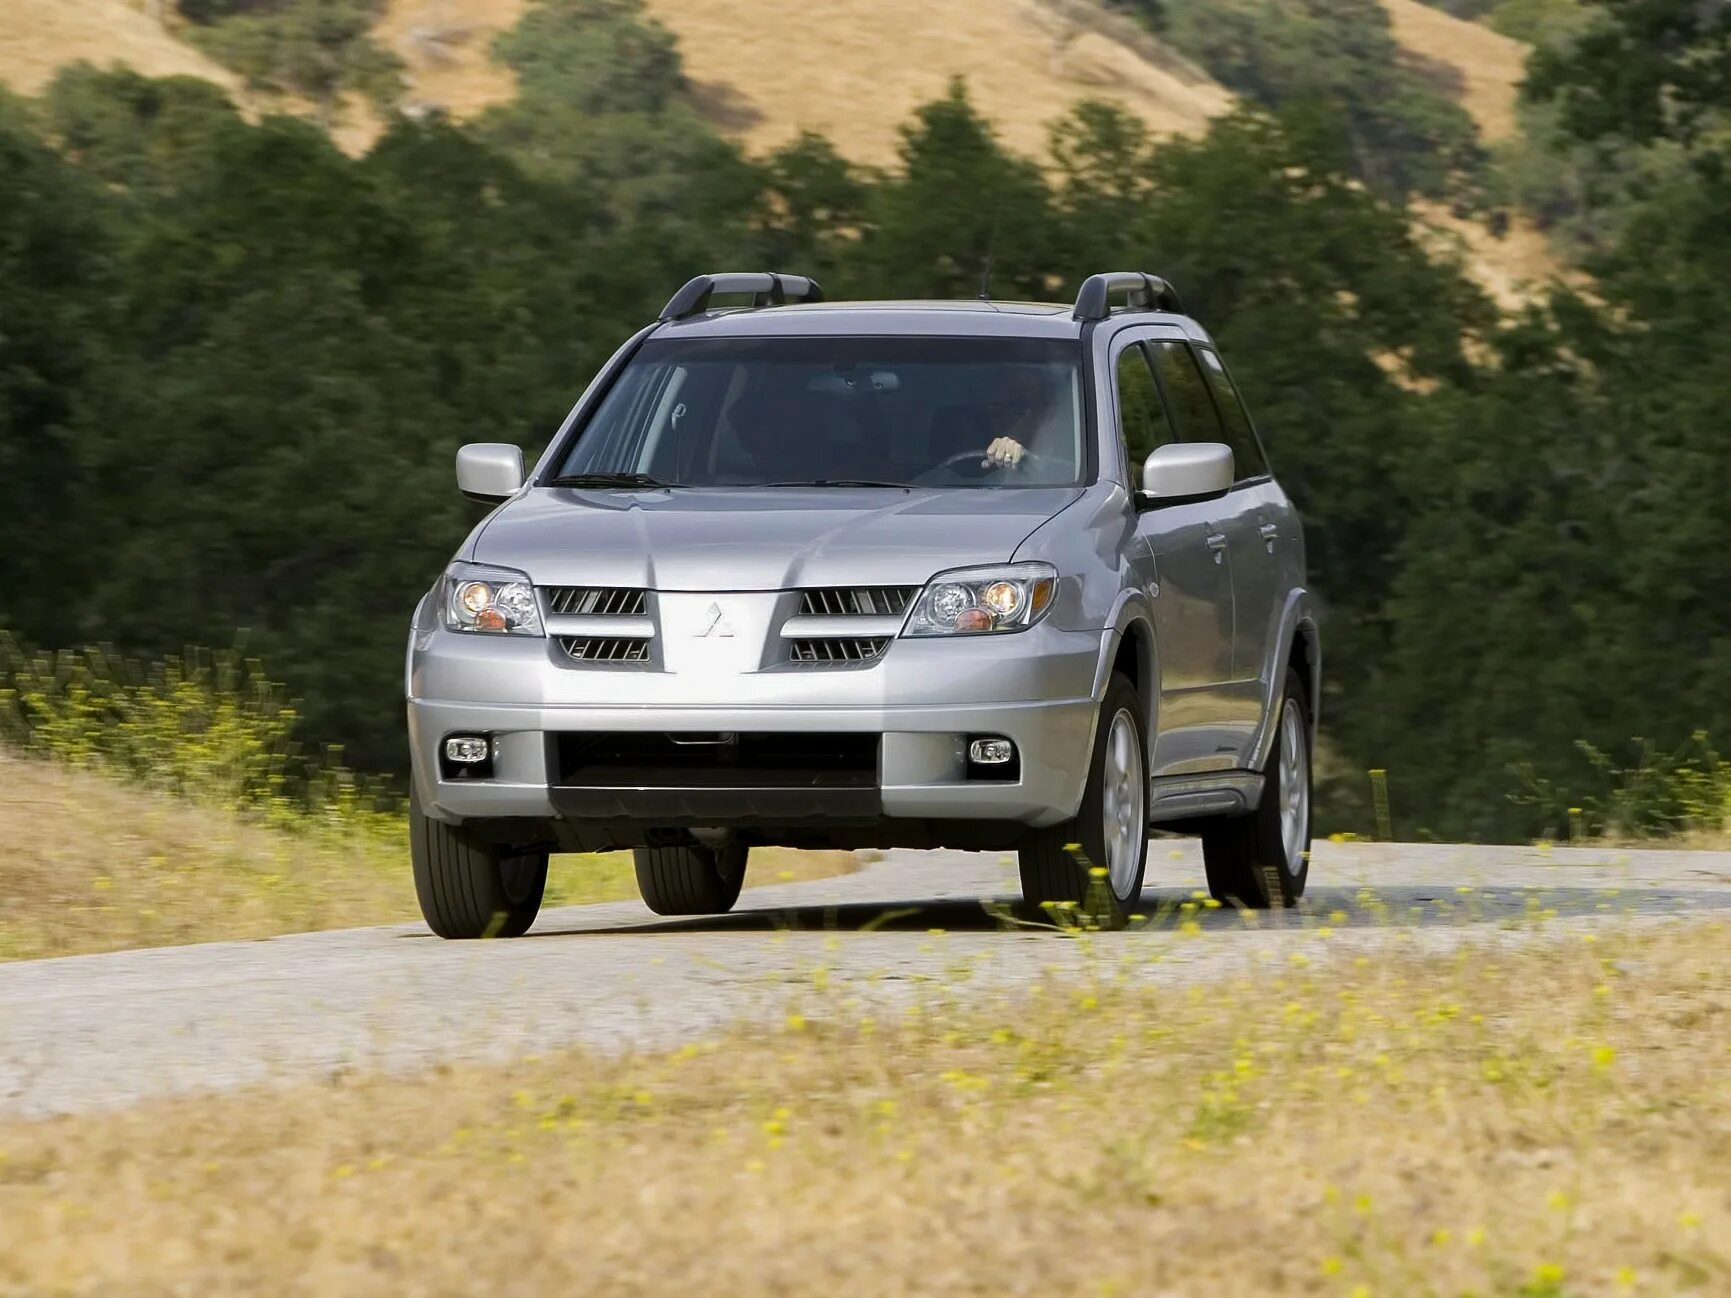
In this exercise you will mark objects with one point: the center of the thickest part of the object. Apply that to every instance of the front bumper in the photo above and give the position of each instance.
(923, 699)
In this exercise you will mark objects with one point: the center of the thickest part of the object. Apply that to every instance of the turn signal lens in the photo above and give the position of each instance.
(974, 619)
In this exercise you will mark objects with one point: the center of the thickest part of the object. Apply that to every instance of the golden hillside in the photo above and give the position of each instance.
(43, 35)
(769, 68)
(1490, 65)
(853, 70)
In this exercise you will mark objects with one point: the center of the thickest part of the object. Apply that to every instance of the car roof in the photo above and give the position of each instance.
(976, 319)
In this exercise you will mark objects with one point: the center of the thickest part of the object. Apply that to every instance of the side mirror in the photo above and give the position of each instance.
(1187, 471)
(489, 471)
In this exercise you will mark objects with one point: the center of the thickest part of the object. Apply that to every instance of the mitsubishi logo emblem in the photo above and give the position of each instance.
(714, 624)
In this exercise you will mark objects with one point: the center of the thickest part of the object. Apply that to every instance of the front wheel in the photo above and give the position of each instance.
(471, 889)
(1262, 859)
(1110, 831)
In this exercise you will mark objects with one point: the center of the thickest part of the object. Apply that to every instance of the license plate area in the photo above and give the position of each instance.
(716, 760)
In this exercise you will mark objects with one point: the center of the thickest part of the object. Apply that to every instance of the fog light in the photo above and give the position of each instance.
(467, 750)
(991, 752)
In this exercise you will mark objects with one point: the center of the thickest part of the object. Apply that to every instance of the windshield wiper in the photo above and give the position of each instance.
(837, 482)
(607, 480)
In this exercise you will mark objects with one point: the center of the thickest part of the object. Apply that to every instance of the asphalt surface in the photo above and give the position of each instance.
(90, 1032)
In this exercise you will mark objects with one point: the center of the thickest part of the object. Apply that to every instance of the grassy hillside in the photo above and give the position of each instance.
(1489, 64)
(853, 70)
(766, 69)
(41, 36)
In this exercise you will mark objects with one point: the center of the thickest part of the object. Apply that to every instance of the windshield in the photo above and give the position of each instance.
(901, 412)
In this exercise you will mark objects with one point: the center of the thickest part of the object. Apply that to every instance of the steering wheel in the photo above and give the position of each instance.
(961, 459)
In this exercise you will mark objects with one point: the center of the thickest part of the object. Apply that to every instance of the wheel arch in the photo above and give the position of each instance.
(1129, 646)
(1300, 650)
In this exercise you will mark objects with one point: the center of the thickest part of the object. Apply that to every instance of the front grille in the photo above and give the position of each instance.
(827, 651)
(596, 601)
(605, 649)
(856, 601)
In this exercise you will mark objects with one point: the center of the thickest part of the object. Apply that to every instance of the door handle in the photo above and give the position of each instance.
(1269, 534)
(1217, 543)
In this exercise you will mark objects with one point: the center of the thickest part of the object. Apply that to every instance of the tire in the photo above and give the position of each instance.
(1110, 828)
(690, 879)
(1262, 859)
(470, 889)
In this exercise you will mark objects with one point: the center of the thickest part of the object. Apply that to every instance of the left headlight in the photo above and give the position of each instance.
(496, 601)
(980, 601)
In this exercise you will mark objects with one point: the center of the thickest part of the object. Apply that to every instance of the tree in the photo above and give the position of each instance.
(1642, 70)
(960, 206)
(813, 208)
(317, 49)
(56, 282)
(1405, 134)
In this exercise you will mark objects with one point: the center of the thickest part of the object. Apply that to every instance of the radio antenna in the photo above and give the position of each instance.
(992, 246)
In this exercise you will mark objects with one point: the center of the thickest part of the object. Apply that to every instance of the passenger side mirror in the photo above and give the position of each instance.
(489, 471)
(1187, 471)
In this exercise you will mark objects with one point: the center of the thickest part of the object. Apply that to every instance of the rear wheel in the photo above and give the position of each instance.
(1263, 859)
(690, 879)
(1110, 831)
(471, 889)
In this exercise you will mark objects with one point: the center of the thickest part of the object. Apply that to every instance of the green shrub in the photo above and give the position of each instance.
(1684, 792)
(207, 725)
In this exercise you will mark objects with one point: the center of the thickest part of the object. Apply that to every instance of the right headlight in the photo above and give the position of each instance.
(983, 601)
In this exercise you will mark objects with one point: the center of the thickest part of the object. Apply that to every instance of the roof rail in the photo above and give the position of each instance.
(765, 290)
(1145, 293)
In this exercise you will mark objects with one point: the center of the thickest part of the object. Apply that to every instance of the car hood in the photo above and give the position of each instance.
(779, 538)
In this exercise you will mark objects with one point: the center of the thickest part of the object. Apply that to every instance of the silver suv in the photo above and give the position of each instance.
(980, 575)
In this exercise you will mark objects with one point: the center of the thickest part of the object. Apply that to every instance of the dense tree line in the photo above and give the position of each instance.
(234, 365)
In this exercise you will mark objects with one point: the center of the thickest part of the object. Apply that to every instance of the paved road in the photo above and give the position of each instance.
(94, 1031)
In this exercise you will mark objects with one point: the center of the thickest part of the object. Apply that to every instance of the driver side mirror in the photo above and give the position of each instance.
(1185, 471)
(489, 471)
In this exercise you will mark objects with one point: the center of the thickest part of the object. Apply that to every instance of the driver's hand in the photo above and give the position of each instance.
(1004, 453)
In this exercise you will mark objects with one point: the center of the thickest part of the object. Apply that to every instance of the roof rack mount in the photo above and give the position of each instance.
(765, 289)
(1143, 292)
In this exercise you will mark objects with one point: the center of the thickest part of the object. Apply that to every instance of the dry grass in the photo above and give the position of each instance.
(91, 864)
(852, 69)
(855, 70)
(1491, 66)
(1513, 270)
(1536, 1120)
(445, 45)
(41, 36)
